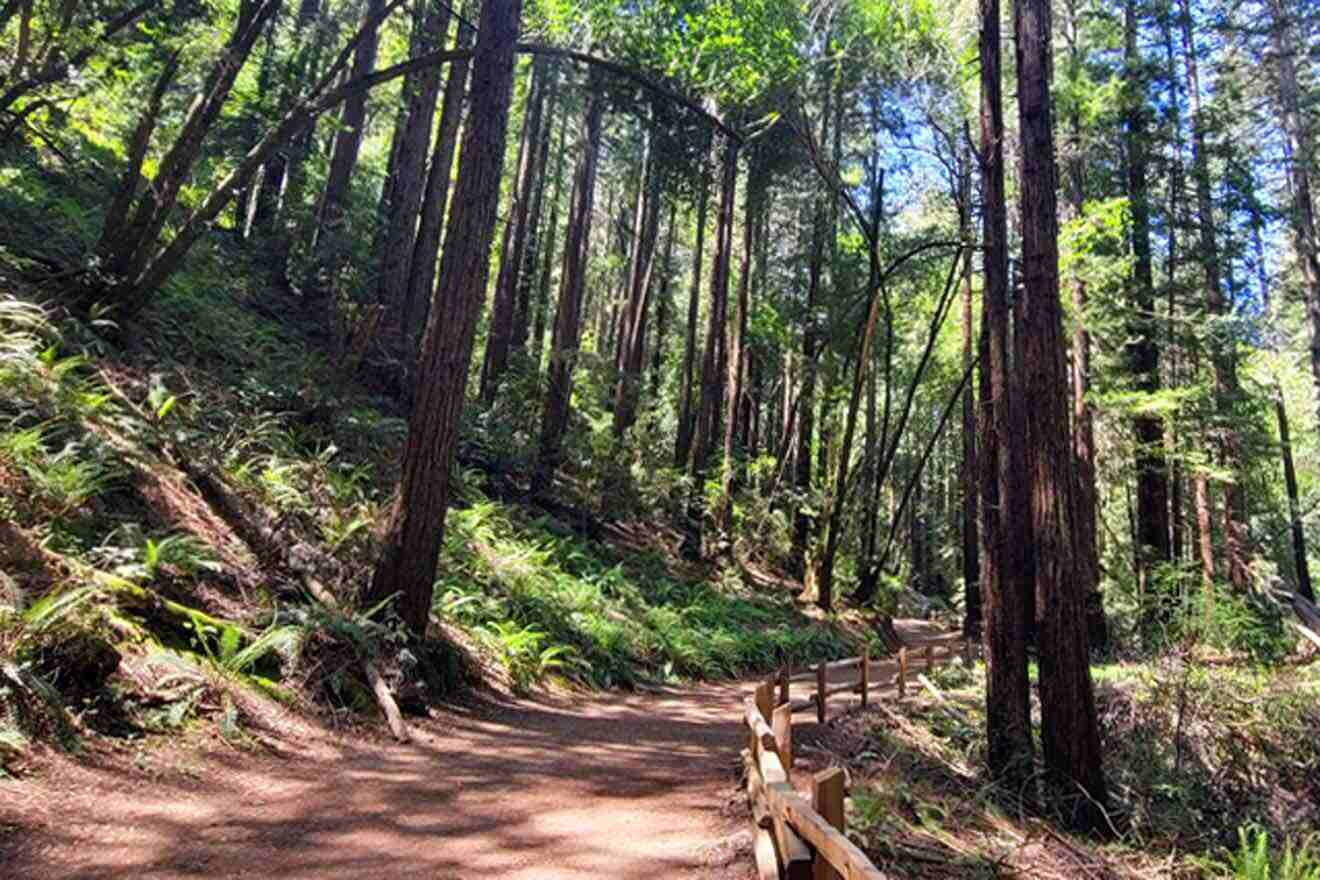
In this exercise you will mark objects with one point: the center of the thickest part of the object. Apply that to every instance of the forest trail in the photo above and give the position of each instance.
(627, 786)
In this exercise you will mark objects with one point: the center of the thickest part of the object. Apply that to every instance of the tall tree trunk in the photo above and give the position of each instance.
(1300, 563)
(971, 560)
(686, 421)
(713, 361)
(803, 522)
(282, 177)
(568, 317)
(415, 309)
(1070, 731)
(541, 307)
(530, 263)
(499, 341)
(1152, 536)
(1005, 583)
(1301, 157)
(632, 324)
(406, 185)
(416, 529)
(332, 232)
(1088, 561)
(1222, 360)
(737, 360)
(664, 305)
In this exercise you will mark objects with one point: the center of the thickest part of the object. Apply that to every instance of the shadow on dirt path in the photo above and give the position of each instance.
(628, 786)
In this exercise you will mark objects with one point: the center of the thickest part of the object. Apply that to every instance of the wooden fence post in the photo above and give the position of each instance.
(902, 673)
(820, 693)
(765, 700)
(782, 725)
(827, 799)
(866, 673)
(783, 684)
(928, 656)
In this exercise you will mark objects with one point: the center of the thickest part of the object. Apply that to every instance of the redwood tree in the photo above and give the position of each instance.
(1070, 732)
(416, 529)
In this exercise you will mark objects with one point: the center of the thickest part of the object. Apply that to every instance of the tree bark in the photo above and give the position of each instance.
(416, 530)
(1070, 732)
(968, 469)
(664, 305)
(1005, 583)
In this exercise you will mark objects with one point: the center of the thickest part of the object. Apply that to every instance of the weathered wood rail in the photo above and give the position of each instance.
(794, 839)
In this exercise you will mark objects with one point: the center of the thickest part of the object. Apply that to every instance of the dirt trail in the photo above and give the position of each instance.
(636, 787)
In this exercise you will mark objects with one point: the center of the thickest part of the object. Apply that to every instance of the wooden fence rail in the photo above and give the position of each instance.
(797, 840)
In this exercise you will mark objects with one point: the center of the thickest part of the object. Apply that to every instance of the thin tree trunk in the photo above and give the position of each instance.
(737, 361)
(686, 422)
(1301, 156)
(416, 530)
(530, 263)
(713, 361)
(971, 560)
(406, 185)
(1303, 569)
(632, 327)
(568, 318)
(664, 305)
(542, 305)
(499, 341)
(332, 232)
(803, 522)
(1221, 342)
(130, 240)
(426, 246)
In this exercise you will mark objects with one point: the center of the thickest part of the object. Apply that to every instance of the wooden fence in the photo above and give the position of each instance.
(794, 839)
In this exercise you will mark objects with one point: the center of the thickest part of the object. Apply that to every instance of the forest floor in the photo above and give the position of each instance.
(553, 787)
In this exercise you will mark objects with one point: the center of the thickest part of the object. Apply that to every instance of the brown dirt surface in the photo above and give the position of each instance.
(631, 786)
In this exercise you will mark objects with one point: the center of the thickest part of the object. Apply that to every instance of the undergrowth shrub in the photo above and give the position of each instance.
(550, 602)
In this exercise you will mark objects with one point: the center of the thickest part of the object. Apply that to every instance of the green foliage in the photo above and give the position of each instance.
(540, 594)
(1254, 859)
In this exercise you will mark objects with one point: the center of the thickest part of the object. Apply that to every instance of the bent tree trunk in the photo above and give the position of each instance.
(412, 542)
